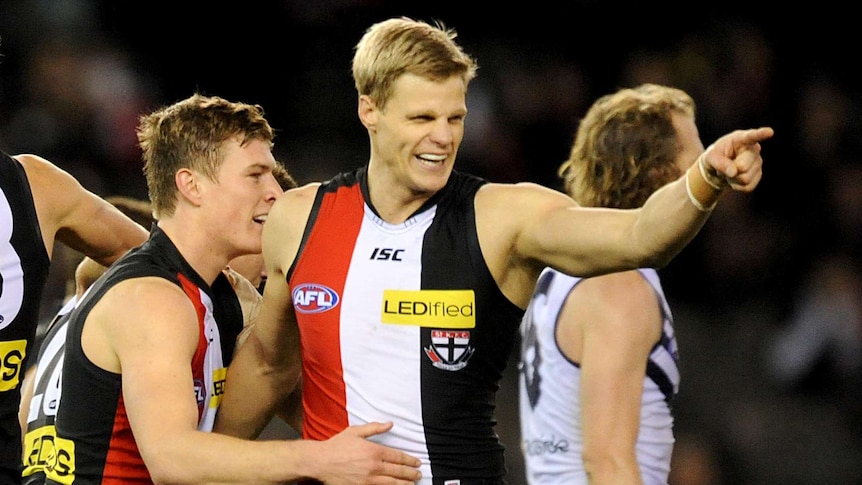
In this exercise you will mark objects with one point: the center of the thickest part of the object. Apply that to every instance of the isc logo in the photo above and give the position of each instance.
(314, 298)
(386, 254)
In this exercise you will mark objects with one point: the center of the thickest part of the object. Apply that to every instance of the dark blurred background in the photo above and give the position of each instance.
(767, 299)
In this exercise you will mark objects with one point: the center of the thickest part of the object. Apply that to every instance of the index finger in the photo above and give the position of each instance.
(755, 135)
(370, 429)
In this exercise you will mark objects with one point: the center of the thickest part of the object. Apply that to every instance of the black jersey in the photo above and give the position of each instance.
(24, 265)
(93, 442)
(46, 398)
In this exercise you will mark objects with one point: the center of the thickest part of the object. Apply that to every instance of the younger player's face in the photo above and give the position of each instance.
(244, 193)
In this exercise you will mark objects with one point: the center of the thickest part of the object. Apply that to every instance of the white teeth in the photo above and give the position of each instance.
(260, 219)
(432, 157)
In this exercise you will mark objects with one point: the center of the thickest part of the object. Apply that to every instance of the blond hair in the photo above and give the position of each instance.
(398, 46)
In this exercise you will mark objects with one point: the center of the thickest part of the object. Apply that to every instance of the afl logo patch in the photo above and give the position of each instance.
(314, 298)
(200, 392)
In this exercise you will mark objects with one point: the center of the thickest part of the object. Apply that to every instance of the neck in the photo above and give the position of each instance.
(394, 201)
(196, 247)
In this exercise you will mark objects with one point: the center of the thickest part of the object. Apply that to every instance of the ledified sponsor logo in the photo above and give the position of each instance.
(429, 308)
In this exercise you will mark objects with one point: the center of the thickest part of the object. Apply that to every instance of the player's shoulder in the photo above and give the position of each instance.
(624, 297)
(526, 198)
(523, 190)
(294, 201)
(49, 180)
(36, 166)
(306, 191)
(145, 295)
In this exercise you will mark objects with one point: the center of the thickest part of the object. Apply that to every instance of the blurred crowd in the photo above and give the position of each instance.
(768, 298)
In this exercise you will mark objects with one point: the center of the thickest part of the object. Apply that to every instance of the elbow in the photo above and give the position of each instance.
(643, 257)
(599, 469)
(657, 256)
(163, 472)
(605, 466)
(168, 462)
(281, 363)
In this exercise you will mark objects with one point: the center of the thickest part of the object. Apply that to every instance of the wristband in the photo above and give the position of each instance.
(694, 200)
(709, 174)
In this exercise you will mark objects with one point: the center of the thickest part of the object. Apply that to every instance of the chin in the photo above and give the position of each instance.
(433, 181)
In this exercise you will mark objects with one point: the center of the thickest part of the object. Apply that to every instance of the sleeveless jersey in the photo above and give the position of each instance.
(549, 400)
(46, 397)
(404, 323)
(94, 442)
(24, 265)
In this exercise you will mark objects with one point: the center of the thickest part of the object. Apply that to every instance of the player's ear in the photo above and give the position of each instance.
(188, 186)
(368, 112)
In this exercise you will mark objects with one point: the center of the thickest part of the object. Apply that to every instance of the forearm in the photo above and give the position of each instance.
(611, 389)
(196, 457)
(609, 447)
(101, 231)
(673, 216)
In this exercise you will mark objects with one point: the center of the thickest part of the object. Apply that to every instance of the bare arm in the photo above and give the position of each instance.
(77, 217)
(618, 320)
(290, 409)
(158, 320)
(524, 227)
(267, 367)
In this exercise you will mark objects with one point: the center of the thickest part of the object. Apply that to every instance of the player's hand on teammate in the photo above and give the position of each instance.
(352, 459)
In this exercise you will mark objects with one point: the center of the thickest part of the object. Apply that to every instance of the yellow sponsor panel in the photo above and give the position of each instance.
(430, 308)
(38, 449)
(11, 357)
(61, 466)
(219, 376)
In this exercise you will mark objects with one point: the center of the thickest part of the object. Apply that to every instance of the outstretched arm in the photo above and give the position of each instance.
(673, 215)
(547, 229)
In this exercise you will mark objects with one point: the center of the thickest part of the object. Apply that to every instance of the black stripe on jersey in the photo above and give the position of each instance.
(657, 375)
(458, 406)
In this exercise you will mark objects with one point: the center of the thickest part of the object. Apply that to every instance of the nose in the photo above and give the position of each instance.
(273, 188)
(442, 132)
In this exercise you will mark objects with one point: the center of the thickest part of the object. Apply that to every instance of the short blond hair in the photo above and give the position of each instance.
(398, 46)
